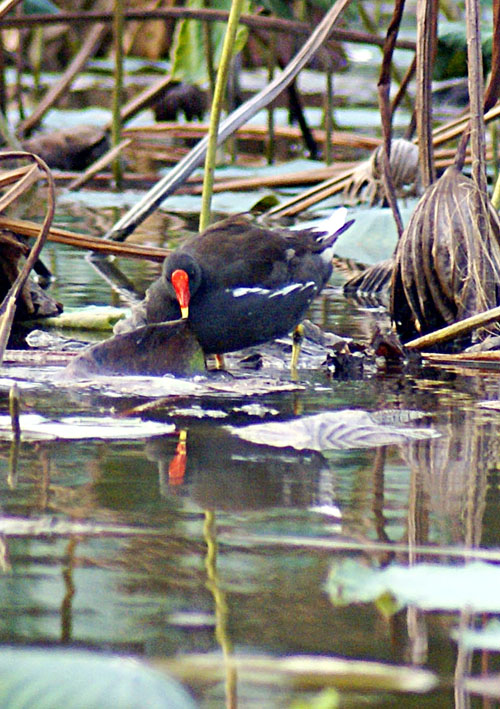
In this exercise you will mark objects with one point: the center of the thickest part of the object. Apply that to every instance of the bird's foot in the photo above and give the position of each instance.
(297, 337)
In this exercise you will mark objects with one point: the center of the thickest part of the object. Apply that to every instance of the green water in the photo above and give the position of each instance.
(161, 592)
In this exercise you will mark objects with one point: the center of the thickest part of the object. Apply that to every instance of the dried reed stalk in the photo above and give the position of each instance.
(447, 264)
(83, 241)
(8, 306)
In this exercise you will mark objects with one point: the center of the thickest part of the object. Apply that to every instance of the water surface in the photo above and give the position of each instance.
(223, 556)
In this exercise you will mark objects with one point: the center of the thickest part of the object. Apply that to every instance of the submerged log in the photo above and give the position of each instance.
(447, 263)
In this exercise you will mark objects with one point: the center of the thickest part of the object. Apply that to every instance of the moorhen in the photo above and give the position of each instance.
(241, 284)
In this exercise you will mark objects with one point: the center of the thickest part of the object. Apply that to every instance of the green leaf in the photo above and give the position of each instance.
(387, 604)
(487, 638)
(46, 679)
(322, 4)
(473, 586)
(451, 56)
(329, 699)
(35, 7)
(188, 49)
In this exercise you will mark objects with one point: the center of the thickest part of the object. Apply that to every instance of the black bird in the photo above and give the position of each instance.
(240, 284)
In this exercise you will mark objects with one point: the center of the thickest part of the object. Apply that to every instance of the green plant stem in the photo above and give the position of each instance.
(37, 60)
(218, 100)
(495, 199)
(209, 57)
(7, 134)
(116, 126)
(178, 175)
(19, 70)
(271, 59)
(14, 406)
(3, 89)
(328, 112)
(221, 608)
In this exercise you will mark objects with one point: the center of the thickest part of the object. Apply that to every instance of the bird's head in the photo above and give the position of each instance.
(182, 275)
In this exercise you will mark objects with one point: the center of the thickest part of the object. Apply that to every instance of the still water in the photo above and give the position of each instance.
(234, 556)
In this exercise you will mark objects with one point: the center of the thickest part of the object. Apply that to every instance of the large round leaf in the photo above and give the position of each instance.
(53, 679)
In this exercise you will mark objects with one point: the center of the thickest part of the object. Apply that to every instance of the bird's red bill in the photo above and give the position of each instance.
(177, 467)
(180, 282)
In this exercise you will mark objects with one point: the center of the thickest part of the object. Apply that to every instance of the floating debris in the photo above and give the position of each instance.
(331, 430)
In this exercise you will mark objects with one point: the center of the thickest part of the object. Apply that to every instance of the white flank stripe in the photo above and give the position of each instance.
(242, 292)
(292, 287)
(267, 293)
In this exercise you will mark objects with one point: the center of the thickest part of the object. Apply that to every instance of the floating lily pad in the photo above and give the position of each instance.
(306, 672)
(473, 586)
(487, 638)
(166, 348)
(372, 237)
(222, 202)
(486, 686)
(332, 430)
(49, 526)
(93, 317)
(32, 7)
(36, 427)
(45, 679)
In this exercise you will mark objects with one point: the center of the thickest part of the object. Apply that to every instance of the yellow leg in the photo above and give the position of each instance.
(219, 361)
(297, 337)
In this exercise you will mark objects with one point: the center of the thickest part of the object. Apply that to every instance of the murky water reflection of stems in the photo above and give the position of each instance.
(221, 609)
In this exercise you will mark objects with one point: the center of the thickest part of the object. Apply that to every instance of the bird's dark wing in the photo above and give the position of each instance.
(237, 252)
(234, 318)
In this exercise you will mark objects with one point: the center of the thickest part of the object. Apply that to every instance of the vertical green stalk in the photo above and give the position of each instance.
(218, 100)
(494, 148)
(3, 92)
(14, 408)
(495, 198)
(7, 134)
(37, 60)
(271, 57)
(19, 73)
(328, 112)
(116, 125)
(208, 46)
(232, 141)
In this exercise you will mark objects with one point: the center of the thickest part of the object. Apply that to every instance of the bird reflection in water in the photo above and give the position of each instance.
(220, 471)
